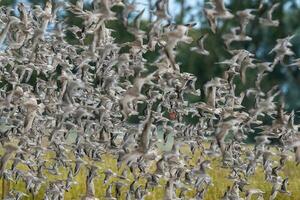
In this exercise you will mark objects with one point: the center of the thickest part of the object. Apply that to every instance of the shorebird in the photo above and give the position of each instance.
(200, 46)
(75, 98)
(268, 21)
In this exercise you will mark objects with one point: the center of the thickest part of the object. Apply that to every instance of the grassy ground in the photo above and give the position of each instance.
(218, 174)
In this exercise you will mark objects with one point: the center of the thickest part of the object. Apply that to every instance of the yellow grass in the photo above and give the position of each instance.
(217, 173)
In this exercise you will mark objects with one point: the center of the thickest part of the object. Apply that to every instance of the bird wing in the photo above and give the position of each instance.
(219, 5)
(270, 12)
(200, 41)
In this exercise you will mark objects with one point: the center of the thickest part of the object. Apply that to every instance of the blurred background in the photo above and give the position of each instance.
(205, 67)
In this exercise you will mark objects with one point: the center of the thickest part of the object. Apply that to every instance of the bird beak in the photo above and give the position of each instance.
(190, 25)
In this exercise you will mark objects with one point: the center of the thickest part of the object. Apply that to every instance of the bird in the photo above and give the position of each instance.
(284, 185)
(296, 146)
(296, 62)
(122, 113)
(245, 16)
(251, 192)
(9, 150)
(200, 46)
(268, 21)
(212, 19)
(282, 49)
(78, 163)
(220, 9)
(108, 193)
(263, 139)
(108, 173)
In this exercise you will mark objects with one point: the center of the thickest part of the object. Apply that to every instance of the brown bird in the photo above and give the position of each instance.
(200, 46)
(268, 21)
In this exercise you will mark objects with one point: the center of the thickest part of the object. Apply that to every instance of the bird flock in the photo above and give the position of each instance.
(67, 103)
